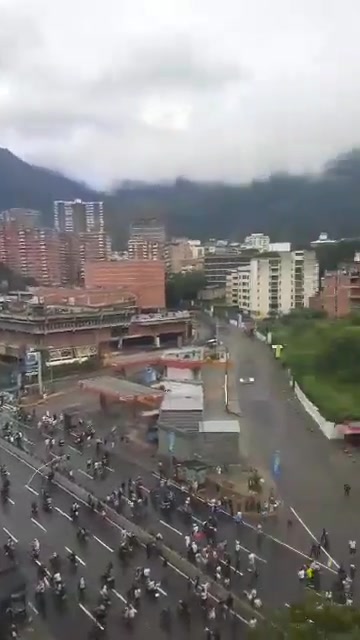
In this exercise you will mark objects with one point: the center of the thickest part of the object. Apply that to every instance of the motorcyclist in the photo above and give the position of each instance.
(81, 587)
(35, 548)
(72, 558)
(34, 508)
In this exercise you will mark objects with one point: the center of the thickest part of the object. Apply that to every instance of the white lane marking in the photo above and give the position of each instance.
(116, 526)
(103, 544)
(110, 469)
(77, 557)
(257, 557)
(197, 520)
(288, 546)
(90, 615)
(162, 591)
(11, 501)
(178, 571)
(73, 449)
(85, 474)
(63, 513)
(313, 537)
(10, 535)
(38, 524)
(118, 595)
(29, 441)
(34, 609)
(36, 493)
(170, 527)
(146, 489)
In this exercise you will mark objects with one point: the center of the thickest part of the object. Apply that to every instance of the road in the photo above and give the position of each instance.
(280, 551)
(313, 470)
(56, 532)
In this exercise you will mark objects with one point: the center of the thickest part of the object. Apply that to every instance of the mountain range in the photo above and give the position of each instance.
(287, 207)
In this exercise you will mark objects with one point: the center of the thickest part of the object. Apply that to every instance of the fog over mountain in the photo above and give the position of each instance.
(287, 207)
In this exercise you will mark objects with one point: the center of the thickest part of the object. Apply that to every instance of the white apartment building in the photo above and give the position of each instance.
(257, 241)
(237, 289)
(274, 284)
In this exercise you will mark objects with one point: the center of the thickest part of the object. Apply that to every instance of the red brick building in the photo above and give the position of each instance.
(32, 252)
(144, 278)
(340, 293)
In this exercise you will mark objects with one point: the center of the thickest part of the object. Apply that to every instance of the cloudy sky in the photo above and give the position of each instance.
(152, 89)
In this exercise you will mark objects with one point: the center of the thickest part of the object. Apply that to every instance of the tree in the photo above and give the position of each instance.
(182, 288)
(313, 619)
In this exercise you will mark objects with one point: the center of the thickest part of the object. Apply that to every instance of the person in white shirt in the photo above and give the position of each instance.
(352, 547)
(251, 560)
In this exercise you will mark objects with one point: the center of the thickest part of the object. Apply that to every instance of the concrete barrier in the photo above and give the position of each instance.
(185, 567)
(330, 430)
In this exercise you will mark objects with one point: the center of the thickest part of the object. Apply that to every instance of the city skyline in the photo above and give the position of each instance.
(217, 92)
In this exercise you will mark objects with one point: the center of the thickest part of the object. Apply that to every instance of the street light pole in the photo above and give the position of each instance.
(39, 372)
(27, 484)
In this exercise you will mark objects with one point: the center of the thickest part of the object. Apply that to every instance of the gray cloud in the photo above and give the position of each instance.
(211, 90)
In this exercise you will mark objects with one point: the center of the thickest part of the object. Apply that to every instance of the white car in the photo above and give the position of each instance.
(246, 380)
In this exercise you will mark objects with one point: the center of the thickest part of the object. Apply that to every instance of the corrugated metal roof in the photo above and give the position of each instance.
(185, 421)
(182, 396)
(219, 426)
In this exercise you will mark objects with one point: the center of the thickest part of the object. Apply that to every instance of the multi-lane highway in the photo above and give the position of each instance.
(56, 532)
(313, 471)
(281, 551)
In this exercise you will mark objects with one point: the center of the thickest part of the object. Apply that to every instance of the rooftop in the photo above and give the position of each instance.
(219, 426)
(182, 396)
(120, 389)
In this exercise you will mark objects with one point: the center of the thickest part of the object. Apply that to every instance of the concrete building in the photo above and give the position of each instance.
(145, 278)
(274, 283)
(340, 292)
(32, 252)
(279, 247)
(28, 218)
(183, 255)
(217, 265)
(185, 434)
(78, 216)
(142, 249)
(237, 290)
(257, 241)
(322, 239)
(148, 229)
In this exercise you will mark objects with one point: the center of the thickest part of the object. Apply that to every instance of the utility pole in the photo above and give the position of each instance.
(39, 372)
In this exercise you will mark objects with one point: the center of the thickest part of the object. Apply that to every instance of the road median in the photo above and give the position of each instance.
(181, 564)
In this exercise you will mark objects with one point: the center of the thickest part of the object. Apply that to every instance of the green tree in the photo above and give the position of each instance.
(312, 620)
(182, 288)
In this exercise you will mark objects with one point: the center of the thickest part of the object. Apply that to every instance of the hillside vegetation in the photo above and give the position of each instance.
(324, 357)
(287, 207)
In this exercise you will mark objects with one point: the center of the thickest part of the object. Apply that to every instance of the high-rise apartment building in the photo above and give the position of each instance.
(28, 218)
(274, 283)
(146, 240)
(78, 216)
(34, 253)
(141, 249)
(148, 229)
(217, 265)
